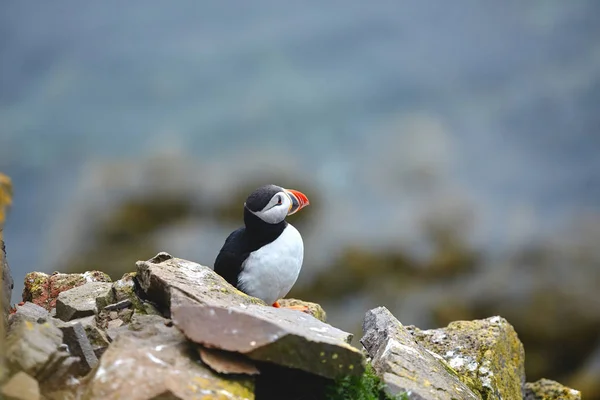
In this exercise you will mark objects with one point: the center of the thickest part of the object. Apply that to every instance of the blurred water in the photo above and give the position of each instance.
(496, 103)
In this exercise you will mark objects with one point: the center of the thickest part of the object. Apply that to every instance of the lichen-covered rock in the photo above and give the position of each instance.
(149, 360)
(487, 354)
(43, 289)
(83, 300)
(545, 389)
(405, 366)
(314, 309)
(21, 386)
(213, 313)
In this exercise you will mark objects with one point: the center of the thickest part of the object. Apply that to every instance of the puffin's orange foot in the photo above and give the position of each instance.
(276, 305)
(299, 308)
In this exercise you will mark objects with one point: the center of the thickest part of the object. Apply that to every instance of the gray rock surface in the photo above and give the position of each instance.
(75, 337)
(487, 354)
(29, 345)
(83, 300)
(7, 280)
(213, 313)
(27, 312)
(404, 365)
(158, 356)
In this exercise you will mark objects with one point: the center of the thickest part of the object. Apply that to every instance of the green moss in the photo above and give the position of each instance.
(367, 386)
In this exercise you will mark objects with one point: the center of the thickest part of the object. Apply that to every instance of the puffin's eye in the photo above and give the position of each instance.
(278, 200)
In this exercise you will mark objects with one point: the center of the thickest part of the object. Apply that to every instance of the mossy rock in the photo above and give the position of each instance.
(487, 355)
(545, 389)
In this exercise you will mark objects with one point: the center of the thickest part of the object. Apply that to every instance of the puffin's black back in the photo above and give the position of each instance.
(240, 243)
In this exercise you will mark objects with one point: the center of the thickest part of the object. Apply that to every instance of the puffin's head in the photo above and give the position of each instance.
(272, 203)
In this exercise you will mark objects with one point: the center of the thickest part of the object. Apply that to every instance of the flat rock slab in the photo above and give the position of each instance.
(83, 300)
(29, 312)
(43, 289)
(151, 360)
(546, 389)
(405, 366)
(487, 354)
(214, 314)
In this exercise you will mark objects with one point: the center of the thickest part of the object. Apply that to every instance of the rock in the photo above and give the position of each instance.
(29, 345)
(82, 300)
(214, 314)
(7, 281)
(225, 362)
(487, 354)
(58, 372)
(114, 323)
(96, 336)
(545, 389)
(21, 387)
(149, 360)
(118, 305)
(404, 365)
(74, 336)
(27, 312)
(314, 309)
(43, 289)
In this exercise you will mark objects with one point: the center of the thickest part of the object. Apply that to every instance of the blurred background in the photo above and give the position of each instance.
(449, 150)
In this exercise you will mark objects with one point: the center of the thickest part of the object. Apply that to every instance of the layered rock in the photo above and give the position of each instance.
(405, 366)
(214, 314)
(487, 354)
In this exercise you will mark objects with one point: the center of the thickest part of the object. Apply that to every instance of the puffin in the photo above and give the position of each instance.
(264, 257)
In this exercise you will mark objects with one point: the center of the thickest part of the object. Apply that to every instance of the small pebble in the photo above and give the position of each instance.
(113, 315)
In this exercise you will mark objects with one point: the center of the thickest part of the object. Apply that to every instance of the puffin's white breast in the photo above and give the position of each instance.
(270, 272)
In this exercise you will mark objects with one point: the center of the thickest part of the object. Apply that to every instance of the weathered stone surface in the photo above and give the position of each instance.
(21, 386)
(149, 360)
(225, 362)
(74, 336)
(96, 336)
(487, 354)
(58, 372)
(82, 300)
(43, 289)
(118, 305)
(29, 345)
(29, 312)
(314, 309)
(545, 389)
(404, 365)
(213, 313)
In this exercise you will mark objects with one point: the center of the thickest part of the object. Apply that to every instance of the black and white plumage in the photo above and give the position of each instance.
(264, 258)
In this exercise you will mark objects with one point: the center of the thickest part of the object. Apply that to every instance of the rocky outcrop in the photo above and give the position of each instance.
(174, 329)
(6, 280)
(405, 366)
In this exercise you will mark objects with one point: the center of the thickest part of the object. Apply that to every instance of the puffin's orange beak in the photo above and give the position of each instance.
(299, 201)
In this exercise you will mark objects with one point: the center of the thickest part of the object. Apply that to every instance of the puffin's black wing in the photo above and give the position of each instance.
(231, 257)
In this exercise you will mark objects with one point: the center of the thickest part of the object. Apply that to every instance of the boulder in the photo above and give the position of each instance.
(43, 289)
(21, 386)
(83, 300)
(405, 366)
(487, 355)
(545, 389)
(29, 345)
(211, 312)
(150, 360)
